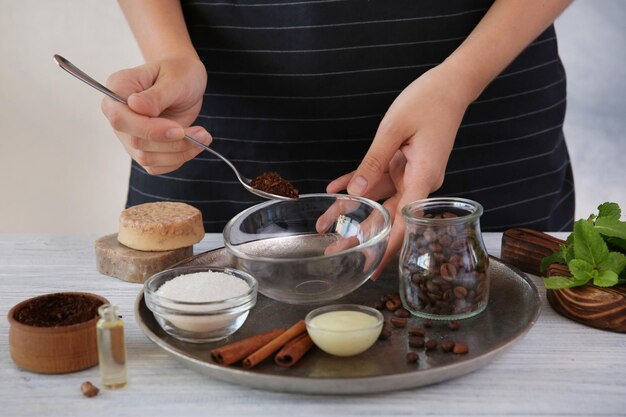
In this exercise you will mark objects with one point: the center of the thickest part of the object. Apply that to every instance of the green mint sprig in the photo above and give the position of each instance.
(595, 251)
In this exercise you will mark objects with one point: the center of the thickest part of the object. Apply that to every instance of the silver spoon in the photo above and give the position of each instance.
(76, 72)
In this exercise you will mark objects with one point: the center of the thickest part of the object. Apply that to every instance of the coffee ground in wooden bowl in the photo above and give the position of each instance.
(272, 182)
(55, 310)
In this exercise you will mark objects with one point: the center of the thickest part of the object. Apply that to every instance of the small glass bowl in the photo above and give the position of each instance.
(340, 342)
(199, 322)
(312, 250)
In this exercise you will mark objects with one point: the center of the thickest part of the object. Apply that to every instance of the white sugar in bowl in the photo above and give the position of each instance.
(200, 304)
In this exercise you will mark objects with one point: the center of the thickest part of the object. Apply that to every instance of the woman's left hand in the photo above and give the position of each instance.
(408, 156)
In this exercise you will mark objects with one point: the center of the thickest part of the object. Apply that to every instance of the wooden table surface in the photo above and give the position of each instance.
(560, 368)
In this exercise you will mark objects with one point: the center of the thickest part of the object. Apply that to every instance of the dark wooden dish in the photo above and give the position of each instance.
(602, 308)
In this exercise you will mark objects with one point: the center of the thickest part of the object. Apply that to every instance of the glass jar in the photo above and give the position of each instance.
(443, 263)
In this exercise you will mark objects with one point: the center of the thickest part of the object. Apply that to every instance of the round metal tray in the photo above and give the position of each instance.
(513, 308)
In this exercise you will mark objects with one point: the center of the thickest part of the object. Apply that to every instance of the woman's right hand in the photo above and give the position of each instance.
(164, 97)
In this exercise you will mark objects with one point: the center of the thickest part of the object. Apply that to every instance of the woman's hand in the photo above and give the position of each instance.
(164, 98)
(408, 157)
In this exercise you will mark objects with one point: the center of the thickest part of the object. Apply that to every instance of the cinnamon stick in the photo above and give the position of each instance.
(234, 352)
(271, 347)
(293, 351)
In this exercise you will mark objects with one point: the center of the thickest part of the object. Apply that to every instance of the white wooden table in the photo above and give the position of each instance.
(559, 369)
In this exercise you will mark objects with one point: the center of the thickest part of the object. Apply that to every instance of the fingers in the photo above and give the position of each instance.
(383, 189)
(348, 234)
(154, 100)
(161, 157)
(162, 98)
(414, 188)
(339, 184)
(147, 91)
(123, 119)
(341, 244)
(148, 96)
(391, 133)
(333, 213)
(132, 80)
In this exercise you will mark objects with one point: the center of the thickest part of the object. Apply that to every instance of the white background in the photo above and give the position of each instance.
(62, 170)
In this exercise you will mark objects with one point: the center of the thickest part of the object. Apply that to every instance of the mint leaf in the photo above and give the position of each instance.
(616, 244)
(553, 258)
(588, 244)
(605, 279)
(568, 253)
(609, 210)
(559, 282)
(611, 227)
(595, 251)
(581, 270)
(615, 262)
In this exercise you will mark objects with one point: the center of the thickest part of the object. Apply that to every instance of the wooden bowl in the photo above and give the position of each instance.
(602, 308)
(53, 350)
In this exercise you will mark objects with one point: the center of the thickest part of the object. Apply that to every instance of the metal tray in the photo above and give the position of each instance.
(513, 308)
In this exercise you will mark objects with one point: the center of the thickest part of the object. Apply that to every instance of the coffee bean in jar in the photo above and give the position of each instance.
(443, 263)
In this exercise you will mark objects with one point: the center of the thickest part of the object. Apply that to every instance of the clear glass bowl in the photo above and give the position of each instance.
(312, 250)
(199, 322)
(346, 336)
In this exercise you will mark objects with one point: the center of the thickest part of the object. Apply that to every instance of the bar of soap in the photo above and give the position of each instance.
(160, 226)
(119, 261)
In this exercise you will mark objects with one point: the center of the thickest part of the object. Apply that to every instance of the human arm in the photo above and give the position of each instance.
(164, 95)
(408, 156)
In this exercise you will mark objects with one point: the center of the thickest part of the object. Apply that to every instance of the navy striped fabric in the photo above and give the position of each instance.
(299, 87)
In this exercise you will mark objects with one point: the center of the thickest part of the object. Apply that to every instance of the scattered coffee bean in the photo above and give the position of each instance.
(403, 313)
(428, 323)
(379, 305)
(417, 331)
(447, 345)
(385, 333)
(460, 348)
(399, 321)
(454, 325)
(431, 344)
(393, 305)
(88, 389)
(412, 357)
(416, 341)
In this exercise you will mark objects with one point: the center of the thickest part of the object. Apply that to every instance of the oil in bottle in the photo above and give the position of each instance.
(111, 348)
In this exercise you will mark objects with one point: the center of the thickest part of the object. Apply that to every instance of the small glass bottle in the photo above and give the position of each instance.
(443, 262)
(111, 348)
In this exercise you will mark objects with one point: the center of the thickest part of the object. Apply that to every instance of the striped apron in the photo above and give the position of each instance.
(299, 87)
